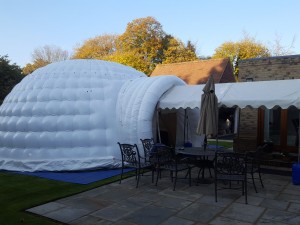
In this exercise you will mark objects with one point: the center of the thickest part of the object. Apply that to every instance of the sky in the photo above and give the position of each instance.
(29, 24)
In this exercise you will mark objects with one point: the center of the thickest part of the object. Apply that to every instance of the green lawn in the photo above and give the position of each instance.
(226, 144)
(21, 192)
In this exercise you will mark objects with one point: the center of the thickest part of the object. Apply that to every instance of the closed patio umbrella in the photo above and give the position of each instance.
(208, 121)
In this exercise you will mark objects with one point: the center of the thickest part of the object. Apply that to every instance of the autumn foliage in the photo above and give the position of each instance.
(143, 45)
(247, 48)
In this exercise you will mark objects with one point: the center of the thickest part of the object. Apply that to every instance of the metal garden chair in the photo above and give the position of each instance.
(131, 158)
(231, 168)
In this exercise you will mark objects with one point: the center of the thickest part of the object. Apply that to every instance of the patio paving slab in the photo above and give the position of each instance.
(112, 213)
(243, 212)
(133, 203)
(288, 197)
(263, 221)
(177, 221)
(150, 215)
(123, 204)
(294, 207)
(282, 216)
(67, 214)
(90, 220)
(46, 208)
(200, 212)
(173, 203)
(122, 222)
(252, 200)
(227, 221)
(274, 204)
(88, 203)
(222, 202)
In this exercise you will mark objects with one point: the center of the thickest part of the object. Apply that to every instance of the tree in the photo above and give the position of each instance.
(143, 45)
(98, 47)
(247, 48)
(29, 68)
(10, 75)
(144, 36)
(278, 49)
(50, 54)
(190, 46)
(176, 51)
(130, 58)
(45, 55)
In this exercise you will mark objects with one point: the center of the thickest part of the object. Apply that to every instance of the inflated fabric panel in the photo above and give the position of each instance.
(63, 117)
(137, 104)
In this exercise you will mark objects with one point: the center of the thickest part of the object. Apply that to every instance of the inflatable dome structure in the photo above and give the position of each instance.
(70, 115)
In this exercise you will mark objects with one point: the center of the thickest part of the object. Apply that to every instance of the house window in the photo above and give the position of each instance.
(281, 127)
(293, 127)
(272, 125)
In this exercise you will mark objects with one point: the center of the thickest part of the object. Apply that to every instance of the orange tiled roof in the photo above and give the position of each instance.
(196, 72)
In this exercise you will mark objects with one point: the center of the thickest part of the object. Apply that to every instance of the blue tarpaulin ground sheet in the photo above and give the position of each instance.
(78, 177)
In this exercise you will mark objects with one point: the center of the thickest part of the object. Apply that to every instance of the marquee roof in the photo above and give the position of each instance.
(268, 94)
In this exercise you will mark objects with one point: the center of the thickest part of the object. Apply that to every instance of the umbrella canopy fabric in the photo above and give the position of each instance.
(208, 121)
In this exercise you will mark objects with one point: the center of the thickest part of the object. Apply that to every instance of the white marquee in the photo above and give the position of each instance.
(269, 94)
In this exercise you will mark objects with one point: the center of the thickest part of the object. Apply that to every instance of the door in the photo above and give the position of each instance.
(280, 126)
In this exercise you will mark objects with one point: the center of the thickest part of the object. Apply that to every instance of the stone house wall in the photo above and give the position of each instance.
(273, 68)
(262, 69)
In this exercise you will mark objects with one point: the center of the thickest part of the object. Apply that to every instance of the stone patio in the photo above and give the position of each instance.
(123, 204)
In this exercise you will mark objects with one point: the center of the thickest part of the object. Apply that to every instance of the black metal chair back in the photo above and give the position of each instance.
(164, 158)
(131, 158)
(230, 167)
(130, 155)
(148, 144)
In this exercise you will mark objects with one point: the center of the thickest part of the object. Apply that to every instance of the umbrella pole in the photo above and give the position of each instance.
(205, 142)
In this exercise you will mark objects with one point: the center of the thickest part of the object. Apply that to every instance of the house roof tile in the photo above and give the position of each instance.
(196, 72)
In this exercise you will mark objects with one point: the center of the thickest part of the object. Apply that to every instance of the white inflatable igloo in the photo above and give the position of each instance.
(70, 115)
